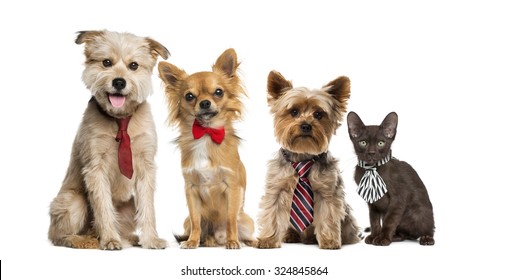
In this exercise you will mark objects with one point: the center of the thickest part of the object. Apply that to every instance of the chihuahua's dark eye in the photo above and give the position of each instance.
(318, 115)
(294, 112)
(107, 63)
(219, 92)
(189, 97)
(133, 66)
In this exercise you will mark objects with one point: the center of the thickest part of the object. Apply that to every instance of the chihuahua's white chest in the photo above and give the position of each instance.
(201, 163)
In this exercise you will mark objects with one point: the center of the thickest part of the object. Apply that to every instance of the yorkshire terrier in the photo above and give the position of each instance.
(305, 198)
(204, 106)
(107, 195)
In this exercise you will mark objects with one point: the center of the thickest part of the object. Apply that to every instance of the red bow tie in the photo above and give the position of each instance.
(216, 134)
(124, 151)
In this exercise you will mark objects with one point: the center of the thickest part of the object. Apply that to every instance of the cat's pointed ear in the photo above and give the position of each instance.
(339, 88)
(277, 86)
(389, 125)
(355, 125)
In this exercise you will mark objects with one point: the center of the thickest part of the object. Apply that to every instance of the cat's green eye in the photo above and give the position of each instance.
(381, 143)
(363, 143)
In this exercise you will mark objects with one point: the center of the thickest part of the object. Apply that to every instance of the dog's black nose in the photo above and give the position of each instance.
(119, 83)
(205, 104)
(306, 128)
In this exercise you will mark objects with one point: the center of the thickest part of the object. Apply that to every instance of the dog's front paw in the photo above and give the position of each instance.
(267, 243)
(189, 244)
(232, 244)
(155, 243)
(110, 245)
(330, 244)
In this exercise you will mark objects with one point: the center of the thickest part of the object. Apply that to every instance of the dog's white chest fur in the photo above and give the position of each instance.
(200, 155)
(201, 161)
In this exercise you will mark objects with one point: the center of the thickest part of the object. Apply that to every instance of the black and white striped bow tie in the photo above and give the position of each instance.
(371, 187)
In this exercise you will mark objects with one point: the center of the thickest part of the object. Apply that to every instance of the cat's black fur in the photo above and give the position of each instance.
(405, 211)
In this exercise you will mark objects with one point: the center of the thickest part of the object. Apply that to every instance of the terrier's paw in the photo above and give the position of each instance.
(155, 243)
(110, 245)
(81, 242)
(189, 244)
(267, 243)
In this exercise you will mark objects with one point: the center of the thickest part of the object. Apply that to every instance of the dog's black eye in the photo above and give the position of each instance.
(219, 92)
(318, 115)
(107, 63)
(294, 112)
(133, 66)
(189, 97)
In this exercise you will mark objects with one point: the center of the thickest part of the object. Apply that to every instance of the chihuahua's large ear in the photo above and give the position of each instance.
(170, 74)
(227, 63)
(339, 88)
(157, 49)
(277, 85)
(355, 124)
(389, 125)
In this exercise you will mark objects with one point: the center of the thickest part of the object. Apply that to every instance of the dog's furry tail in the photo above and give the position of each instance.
(180, 238)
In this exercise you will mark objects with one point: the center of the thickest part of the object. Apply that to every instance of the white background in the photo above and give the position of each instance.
(441, 65)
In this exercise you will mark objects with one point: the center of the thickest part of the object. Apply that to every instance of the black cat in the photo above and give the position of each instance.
(398, 202)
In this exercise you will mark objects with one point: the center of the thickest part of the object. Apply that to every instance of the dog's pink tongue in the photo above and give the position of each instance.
(117, 100)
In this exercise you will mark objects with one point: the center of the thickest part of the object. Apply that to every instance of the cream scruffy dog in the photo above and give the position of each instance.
(107, 194)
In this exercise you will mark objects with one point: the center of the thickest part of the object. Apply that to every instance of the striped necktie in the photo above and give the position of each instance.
(301, 214)
(371, 186)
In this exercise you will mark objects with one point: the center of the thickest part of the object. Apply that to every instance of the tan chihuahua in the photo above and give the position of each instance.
(204, 106)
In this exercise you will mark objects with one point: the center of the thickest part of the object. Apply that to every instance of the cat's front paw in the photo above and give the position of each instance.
(381, 241)
(427, 240)
(369, 239)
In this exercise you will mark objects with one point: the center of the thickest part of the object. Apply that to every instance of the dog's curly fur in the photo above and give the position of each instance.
(97, 206)
(320, 112)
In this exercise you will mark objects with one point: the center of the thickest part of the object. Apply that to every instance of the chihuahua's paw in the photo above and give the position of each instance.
(189, 244)
(232, 244)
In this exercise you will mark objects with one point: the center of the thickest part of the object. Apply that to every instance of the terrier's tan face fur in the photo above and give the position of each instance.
(119, 68)
(304, 119)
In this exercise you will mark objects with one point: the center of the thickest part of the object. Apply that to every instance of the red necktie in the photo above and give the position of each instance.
(301, 214)
(216, 134)
(124, 152)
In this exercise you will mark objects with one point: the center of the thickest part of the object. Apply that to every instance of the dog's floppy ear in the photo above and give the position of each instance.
(87, 36)
(157, 49)
(355, 125)
(339, 88)
(389, 125)
(277, 85)
(227, 63)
